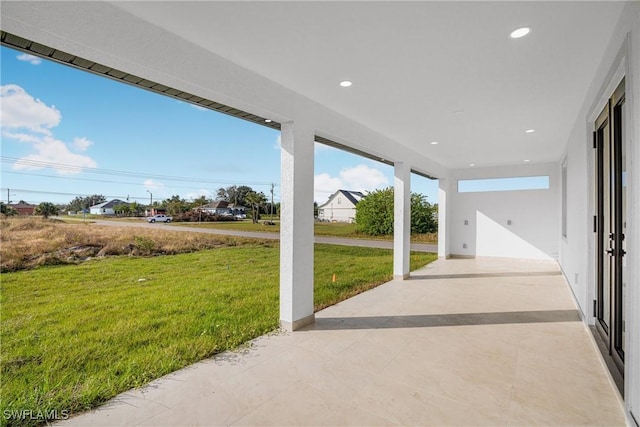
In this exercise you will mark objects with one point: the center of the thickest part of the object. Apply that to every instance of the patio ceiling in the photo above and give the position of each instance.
(421, 71)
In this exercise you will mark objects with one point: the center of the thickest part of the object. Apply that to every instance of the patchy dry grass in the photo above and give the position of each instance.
(32, 242)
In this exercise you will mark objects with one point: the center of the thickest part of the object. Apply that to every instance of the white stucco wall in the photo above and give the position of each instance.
(511, 224)
(577, 250)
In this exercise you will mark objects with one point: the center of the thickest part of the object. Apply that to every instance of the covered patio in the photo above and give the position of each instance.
(439, 89)
(462, 342)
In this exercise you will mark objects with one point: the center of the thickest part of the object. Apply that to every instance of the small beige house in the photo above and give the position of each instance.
(341, 206)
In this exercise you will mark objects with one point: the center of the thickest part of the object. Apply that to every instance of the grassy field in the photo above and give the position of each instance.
(335, 229)
(73, 336)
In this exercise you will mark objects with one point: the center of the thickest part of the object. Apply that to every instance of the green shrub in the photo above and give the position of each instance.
(374, 213)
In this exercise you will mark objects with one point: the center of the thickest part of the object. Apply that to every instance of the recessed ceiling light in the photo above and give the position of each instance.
(530, 130)
(458, 112)
(346, 83)
(267, 121)
(472, 164)
(527, 160)
(434, 142)
(520, 32)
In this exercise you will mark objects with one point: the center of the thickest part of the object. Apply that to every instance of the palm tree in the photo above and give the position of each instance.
(256, 201)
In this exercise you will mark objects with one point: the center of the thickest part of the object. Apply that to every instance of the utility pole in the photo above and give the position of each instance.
(272, 185)
(150, 201)
(8, 201)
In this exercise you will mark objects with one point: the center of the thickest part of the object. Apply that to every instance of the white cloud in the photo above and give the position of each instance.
(22, 137)
(82, 144)
(51, 153)
(30, 121)
(150, 184)
(363, 178)
(325, 185)
(195, 195)
(358, 178)
(198, 107)
(19, 110)
(278, 144)
(33, 60)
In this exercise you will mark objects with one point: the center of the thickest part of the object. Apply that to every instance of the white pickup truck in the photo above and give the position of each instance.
(159, 218)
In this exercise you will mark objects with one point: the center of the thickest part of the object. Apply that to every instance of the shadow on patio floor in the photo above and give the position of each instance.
(434, 320)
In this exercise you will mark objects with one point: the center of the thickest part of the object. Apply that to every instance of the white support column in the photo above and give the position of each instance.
(402, 220)
(296, 226)
(444, 238)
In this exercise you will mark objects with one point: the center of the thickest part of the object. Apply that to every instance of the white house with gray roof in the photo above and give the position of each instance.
(106, 208)
(341, 206)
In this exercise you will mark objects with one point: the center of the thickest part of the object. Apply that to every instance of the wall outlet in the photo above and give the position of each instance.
(464, 246)
(575, 278)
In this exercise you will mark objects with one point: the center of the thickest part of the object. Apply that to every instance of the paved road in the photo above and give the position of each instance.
(385, 244)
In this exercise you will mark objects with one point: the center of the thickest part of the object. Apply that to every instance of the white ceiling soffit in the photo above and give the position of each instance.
(421, 71)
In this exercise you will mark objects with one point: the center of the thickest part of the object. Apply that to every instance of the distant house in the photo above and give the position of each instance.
(218, 207)
(23, 208)
(222, 207)
(106, 208)
(238, 211)
(341, 206)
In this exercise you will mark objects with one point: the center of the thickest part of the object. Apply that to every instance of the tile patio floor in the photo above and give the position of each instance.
(463, 342)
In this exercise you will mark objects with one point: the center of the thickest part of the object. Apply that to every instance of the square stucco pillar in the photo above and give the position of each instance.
(444, 237)
(296, 226)
(401, 220)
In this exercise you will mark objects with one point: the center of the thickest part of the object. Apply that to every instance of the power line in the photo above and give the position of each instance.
(102, 180)
(60, 193)
(113, 172)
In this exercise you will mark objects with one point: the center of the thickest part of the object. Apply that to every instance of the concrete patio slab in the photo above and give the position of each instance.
(463, 342)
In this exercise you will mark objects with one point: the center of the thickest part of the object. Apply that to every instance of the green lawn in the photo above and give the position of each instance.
(75, 336)
(335, 229)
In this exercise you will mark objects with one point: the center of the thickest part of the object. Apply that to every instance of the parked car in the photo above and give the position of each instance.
(159, 218)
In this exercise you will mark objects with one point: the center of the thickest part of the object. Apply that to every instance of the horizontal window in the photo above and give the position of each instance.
(503, 184)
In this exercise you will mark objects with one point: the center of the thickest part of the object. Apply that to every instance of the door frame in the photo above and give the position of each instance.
(608, 225)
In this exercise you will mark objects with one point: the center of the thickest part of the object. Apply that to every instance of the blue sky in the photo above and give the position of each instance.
(122, 141)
